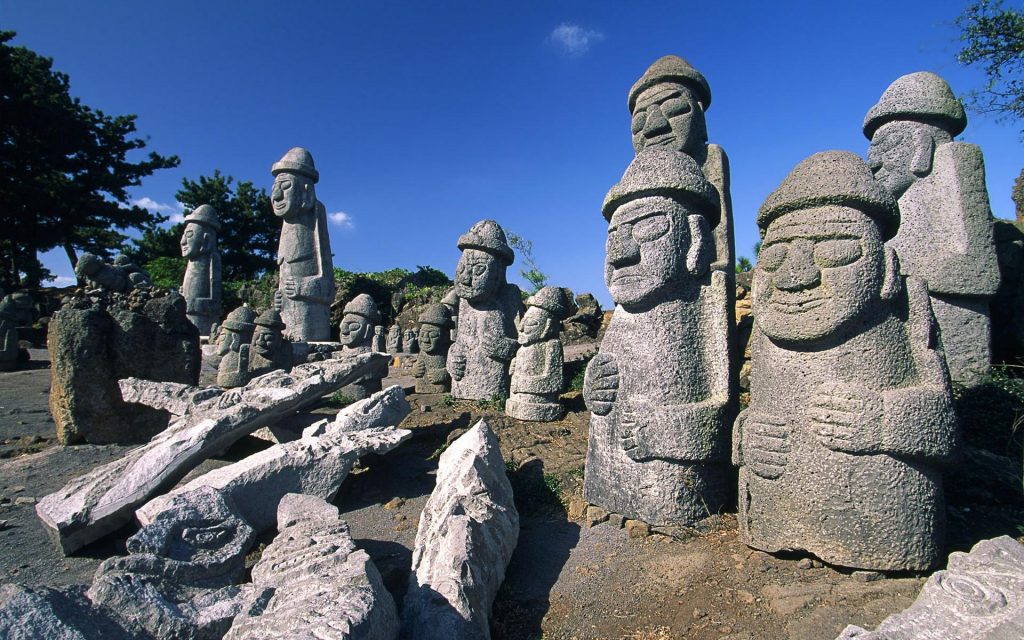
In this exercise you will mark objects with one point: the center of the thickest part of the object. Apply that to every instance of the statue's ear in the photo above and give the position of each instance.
(699, 255)
(892, 283)
(924, 149)
(308, 195)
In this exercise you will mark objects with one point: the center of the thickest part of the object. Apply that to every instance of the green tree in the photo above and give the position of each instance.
(530, 271)
(1018, 196)
(993, 37)
(743, 264)
(64, 169)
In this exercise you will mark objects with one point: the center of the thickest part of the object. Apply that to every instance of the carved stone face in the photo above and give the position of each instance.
(229, 340)
(534, 326)
(379, 330)
(646, 249)
(478, 275)
(894, 150)
(433, 339)
(818, 272)
(291, 195)
(266, 341)
(354, 330)
(194, 241)
(668, 114)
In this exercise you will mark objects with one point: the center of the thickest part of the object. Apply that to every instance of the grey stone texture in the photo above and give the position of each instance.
(394, 340)
(660, 389)
(979, 596)
(410, 343)
(466, 536)
(537, 377)
(173, 397)
(435, 339)
(33, 613)
(850, 418)
(585, 322)
(356, 333)
(312, 582)
(315, 464)
(306, 273)
(201, 286)
(101, 501)
(488, 310)
(945, 230)
(269, 350)
(120, 277)
(379, 343)
(451, 301)
(96, 341)
(233, 347)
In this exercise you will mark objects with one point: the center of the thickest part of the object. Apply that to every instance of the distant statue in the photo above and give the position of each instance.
(359, 317)
(201, 287)
(270, 351)
(121, 277)
(394, 340)
(409, 342)
(379, 343)
(306, 273)
(434, 340)
(945, 233)
(233, 347)
(8, 334)
(537, 376)
(451, 301)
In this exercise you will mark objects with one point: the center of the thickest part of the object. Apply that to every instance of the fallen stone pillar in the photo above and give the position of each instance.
(466, 536)
(103, 500)
(172, 397)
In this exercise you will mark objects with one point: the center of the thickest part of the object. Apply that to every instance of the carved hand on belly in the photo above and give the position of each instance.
(765, 448)
(634, 424)
(601, 384)
(457, 365)
(847, 418)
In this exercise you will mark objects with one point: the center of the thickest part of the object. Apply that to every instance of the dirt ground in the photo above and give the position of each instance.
(565, 580)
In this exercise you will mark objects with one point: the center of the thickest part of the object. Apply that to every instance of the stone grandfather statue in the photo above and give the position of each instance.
(120, 277)
(409, 342)
(201, 286)
(945, 233)
(434, 340)
(488, 310)
(394, 339)
(378, 343)
(359, 317)
(451, 301)
(659, 388)
(270, 350)
(537, 376)
(850, 417)
(306, 273)
(233, 347)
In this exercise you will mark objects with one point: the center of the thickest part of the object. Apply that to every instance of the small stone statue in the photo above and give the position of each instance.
(306, 277)
(451, 300)
(660, 389)
(120, 277)
(945, 230)
(394, 340)
(201, 286)
(355, 333)
(8, 334)
(270, 351)
(434, 340)
(537, 367)
(488, 310)
(233, 344)
(409, 342)
(850, 415)
(379, 343)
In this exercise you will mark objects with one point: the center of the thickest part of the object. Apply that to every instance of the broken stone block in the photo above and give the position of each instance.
(103, 500)
(595, 515)
(312, 581)
(28, 613)
(315, 464)
(980, 595)
(466, 536)
(172, 397)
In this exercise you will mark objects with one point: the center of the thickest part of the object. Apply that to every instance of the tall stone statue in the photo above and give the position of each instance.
(945, 232)
(850, 415)
(394, 339)
(660, 388)
(270, 351)
(358, 319)
(201, 287)
(434, 339)
(306, 278)
(378, 342)
(488, 310)
(233, 347)
(537, 376)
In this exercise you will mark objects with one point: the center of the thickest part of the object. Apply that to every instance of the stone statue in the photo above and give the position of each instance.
(306, 280)
(201, 286)
(8, 334)
(270, 351)
(850, 415)
(359, 317)
(394, 340)
(233, 345)
(660, 388)
(945, 232)
(488, 310)
(434, 340)
(451, 301)
(409, 342)
(378, 342)
(537, 367)
(120, 277)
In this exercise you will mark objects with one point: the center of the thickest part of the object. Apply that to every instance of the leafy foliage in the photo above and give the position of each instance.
(992, 414)
(393, 288)
(166, 272)
(64, 169)
(530, 272)
(993, 37)
(743, 264)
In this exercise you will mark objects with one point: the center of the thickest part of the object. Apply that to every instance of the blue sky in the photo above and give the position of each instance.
(424, 117)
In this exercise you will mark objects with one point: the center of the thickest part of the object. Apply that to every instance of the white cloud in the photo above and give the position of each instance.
(342, 219)
(158, 207)
(573, 39)
(176, 218)
(63, 281)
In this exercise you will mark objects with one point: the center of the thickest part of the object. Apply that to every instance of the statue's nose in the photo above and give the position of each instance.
(798, 270)
(622, 249)
(656, 123)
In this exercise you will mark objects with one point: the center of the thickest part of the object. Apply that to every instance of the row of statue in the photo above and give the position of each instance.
(871, 294)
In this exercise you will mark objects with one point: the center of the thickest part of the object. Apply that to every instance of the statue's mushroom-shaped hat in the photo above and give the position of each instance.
(270, 319)
(205, 215)
(297, 160)
(554, 300)
(437, 315)
(839, 178)
(672, 69)
(242, 320)
(922, 97)
(487, 235)
(660, 171)
(363, 305)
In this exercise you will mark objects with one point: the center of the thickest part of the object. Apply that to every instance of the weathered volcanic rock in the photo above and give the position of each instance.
(32, 613)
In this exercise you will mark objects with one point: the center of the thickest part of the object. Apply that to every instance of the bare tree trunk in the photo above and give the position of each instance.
(73, 257)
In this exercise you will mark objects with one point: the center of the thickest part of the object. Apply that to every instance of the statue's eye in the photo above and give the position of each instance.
(837, 253)
(772, 256)
(650, 228)
(675, 107)
(479, 269)
(207, 537)
(639, 118)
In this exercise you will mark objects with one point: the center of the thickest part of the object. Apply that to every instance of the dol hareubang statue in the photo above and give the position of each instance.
(660, 389)
(356, 333)
(306, 278)
(434, 339)
(201, 286)
(850, 414)
(537, 375)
